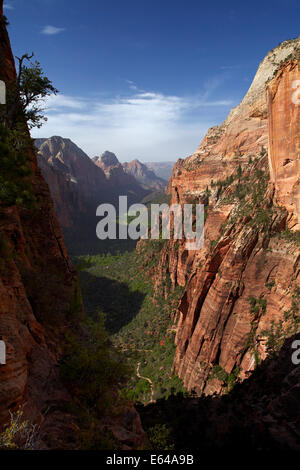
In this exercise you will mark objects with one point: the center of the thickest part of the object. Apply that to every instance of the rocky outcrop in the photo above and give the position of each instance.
(144, 175)
(242, 289)
(106, 160)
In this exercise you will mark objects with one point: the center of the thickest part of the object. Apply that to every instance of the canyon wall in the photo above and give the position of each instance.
(242, 289)
(40, 301)
(241, 135)
(259, 414)
(161, 169)
(283, 95)
(37, 286)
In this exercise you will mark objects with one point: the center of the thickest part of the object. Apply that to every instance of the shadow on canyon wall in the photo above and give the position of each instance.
(261, 413)
(84, 241)
(113, 298)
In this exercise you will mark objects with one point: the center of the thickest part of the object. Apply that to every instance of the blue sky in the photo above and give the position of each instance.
(145, 79)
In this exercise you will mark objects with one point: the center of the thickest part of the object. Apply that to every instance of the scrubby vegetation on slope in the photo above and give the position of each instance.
(140, 323)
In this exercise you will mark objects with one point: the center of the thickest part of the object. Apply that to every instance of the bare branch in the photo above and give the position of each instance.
(21, 60)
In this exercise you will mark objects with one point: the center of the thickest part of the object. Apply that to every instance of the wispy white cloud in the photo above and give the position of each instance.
(132, 85)
(57, 102)
(144, 124)
(51, 30)
(230, 67)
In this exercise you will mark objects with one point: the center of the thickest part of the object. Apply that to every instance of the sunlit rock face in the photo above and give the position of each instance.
(241, 135)
(240, 261)
(283, 94)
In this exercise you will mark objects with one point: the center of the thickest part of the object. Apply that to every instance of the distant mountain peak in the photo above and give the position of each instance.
(107, 158)
(144, 175)
(78, 183)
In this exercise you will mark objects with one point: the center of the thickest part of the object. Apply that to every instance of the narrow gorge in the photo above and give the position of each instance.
(145, 344)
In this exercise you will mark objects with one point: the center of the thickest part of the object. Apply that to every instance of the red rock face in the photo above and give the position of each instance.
(283, 94)
(261, 413)
(215, 319)
(241, 135)
(144, 175)
(37, 284)
(39, 300)
(217, 325)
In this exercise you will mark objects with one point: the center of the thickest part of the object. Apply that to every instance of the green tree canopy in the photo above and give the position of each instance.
(25, 97)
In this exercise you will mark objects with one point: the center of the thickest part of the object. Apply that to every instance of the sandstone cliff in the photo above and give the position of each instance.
(283, 95)
(40, 299)
(161, 169)
(242, 289)
(38, 284)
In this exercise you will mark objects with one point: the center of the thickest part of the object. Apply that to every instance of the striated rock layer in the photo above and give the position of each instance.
(283, 94)
(241, 296)
(37, 285)
(39, 301)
